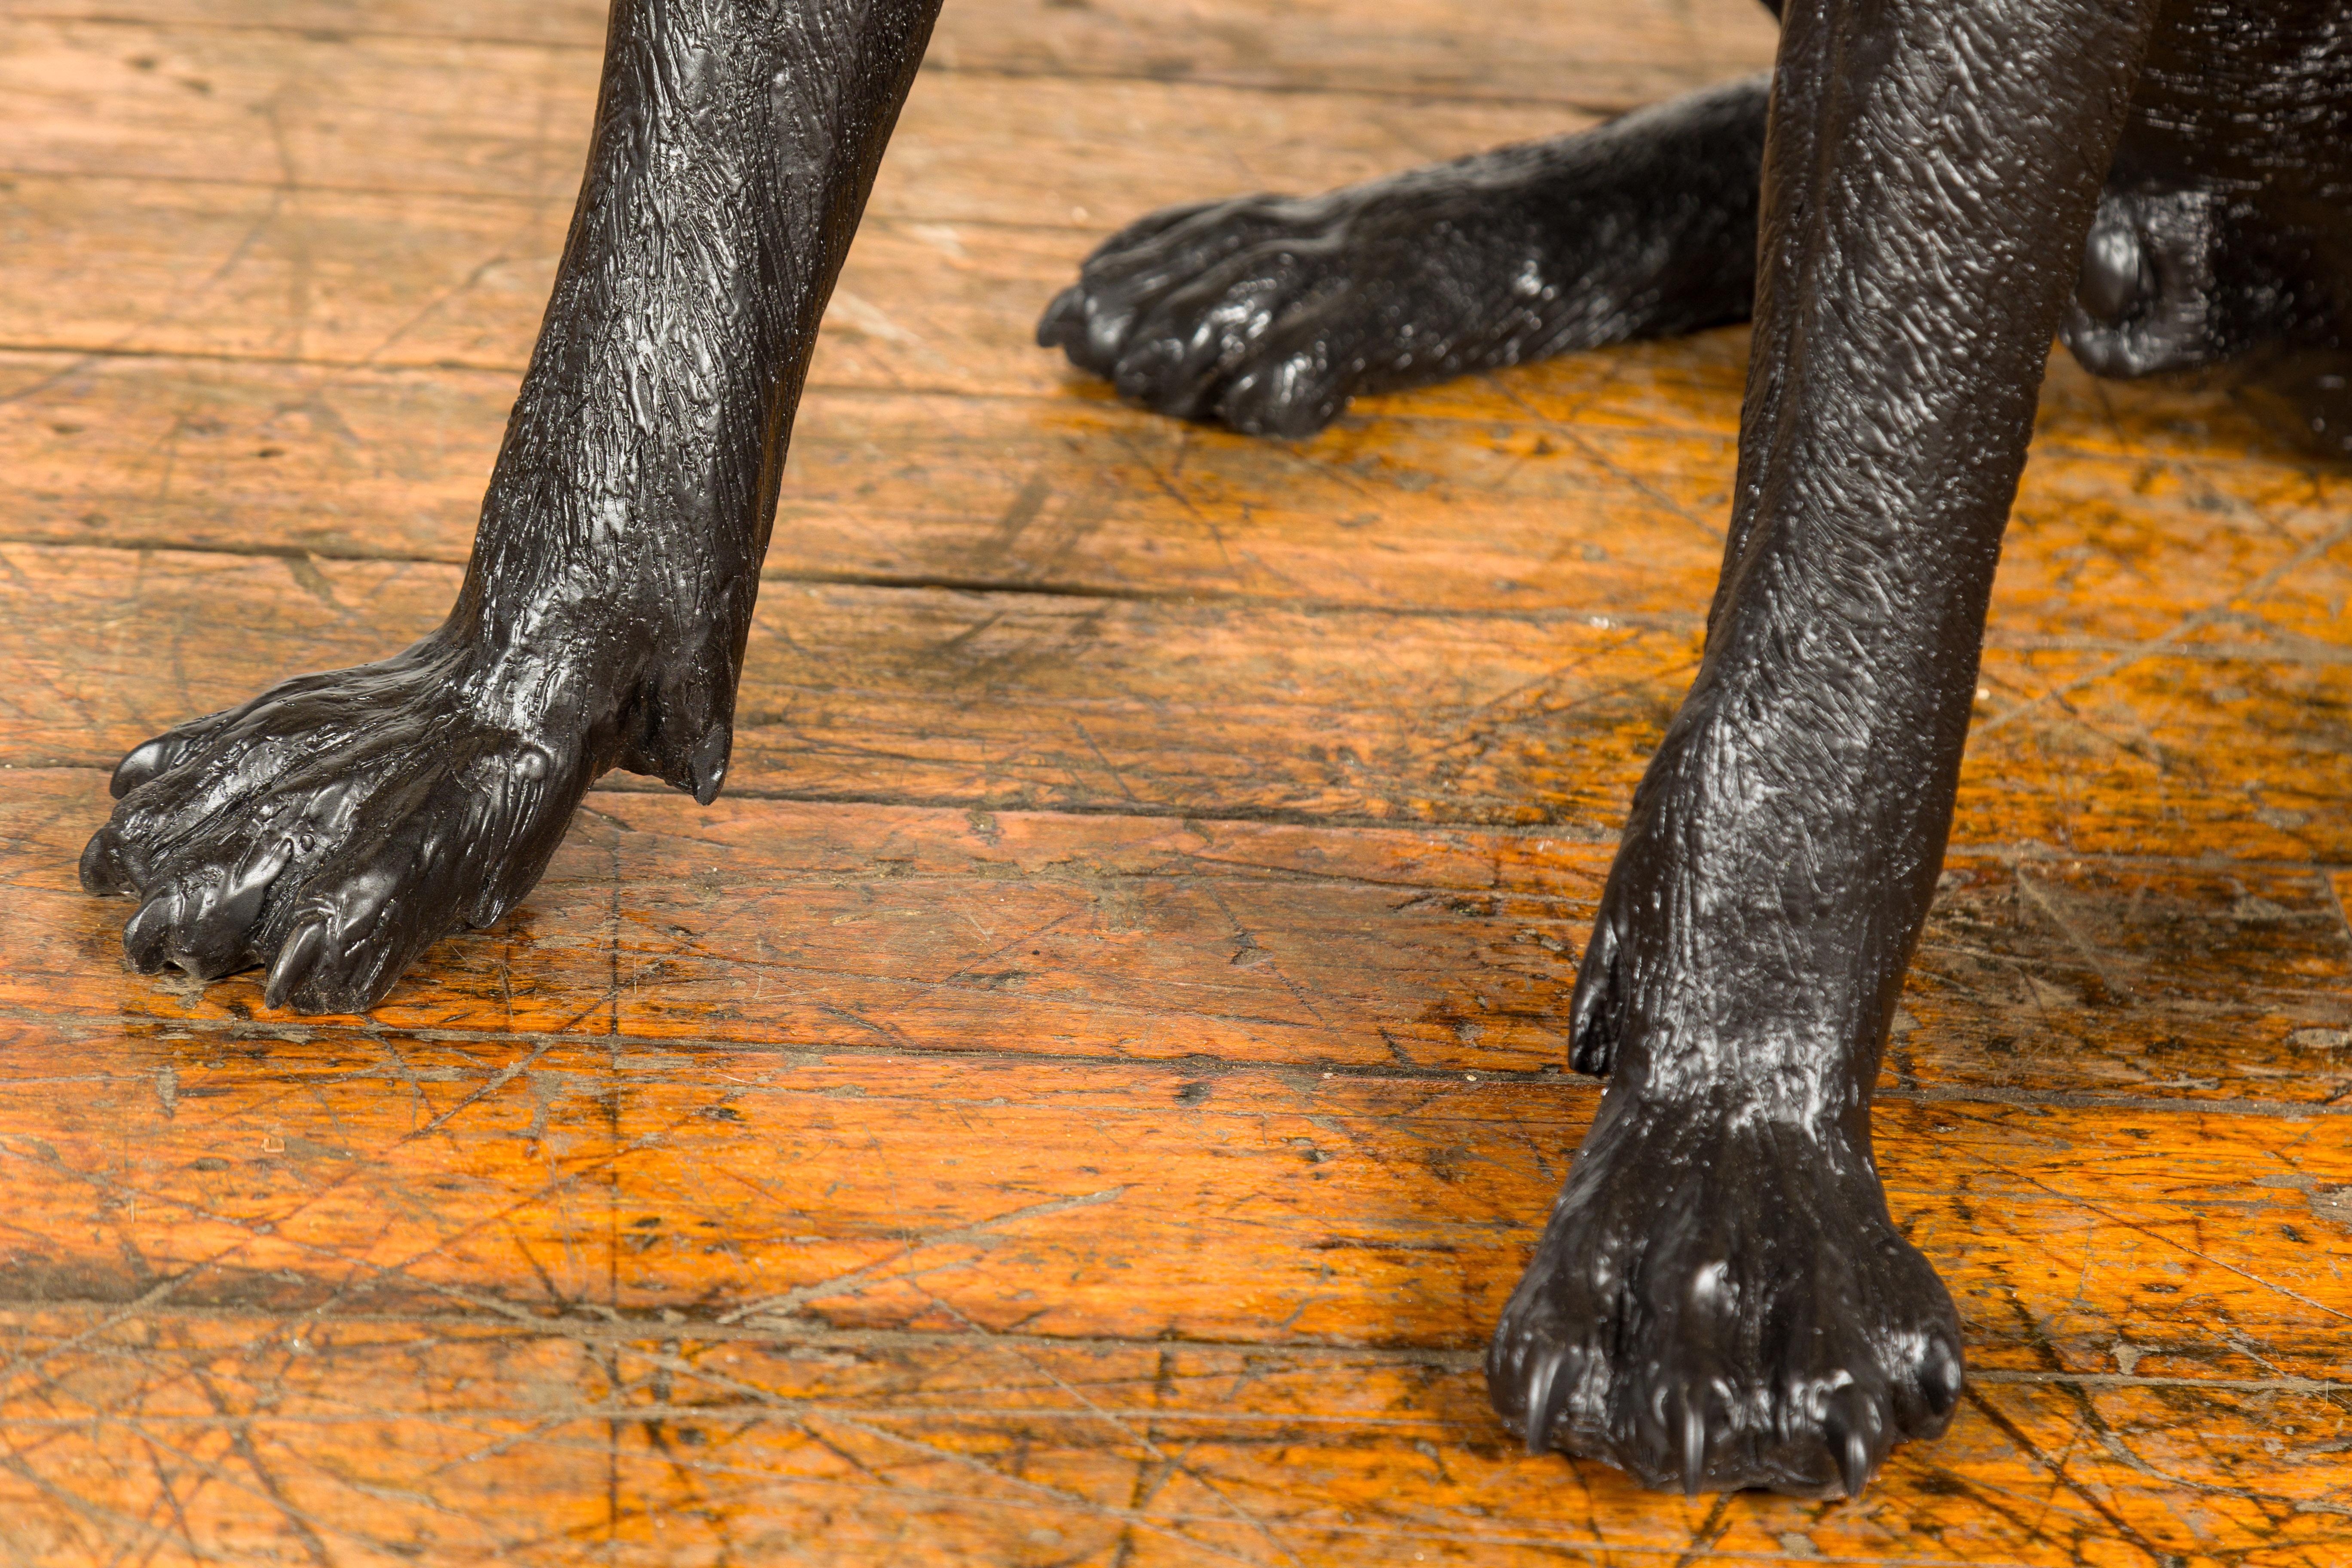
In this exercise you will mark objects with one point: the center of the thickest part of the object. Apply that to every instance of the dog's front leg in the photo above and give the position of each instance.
(1720, 1299)
(334, 826)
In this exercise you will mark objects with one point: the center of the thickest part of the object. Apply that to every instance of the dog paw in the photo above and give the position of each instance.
(1718, 1304)
(1269, 312)
(333, 829)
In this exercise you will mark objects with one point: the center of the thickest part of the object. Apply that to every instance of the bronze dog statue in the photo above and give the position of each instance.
(1918, 198)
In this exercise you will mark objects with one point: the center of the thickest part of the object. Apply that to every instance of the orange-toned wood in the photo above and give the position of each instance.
(454, 117)
(1131, 937)
(1615, 52)
(2224, 738)
(1082, 1099)
(570, 1440)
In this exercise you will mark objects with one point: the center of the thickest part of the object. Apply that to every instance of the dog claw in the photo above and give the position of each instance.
(1068, 305)
(708, 764)
(1854, 1466)
(1592, 1011)
(147, 935)
(143, 762)
(1941, 1381)
(103, 871)
(1693, 1447)
(296, 958)
(1543, 1387)
(1848, 1426)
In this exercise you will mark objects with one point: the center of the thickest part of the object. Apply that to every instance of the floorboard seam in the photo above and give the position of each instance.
(1192, 1066)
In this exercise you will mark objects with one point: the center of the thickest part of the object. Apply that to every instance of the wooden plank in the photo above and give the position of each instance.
(259, 271)
(1613, 53)
(325, 1171)
(1078, 494)
(1598, 514)
(855, 1448)
(899, 487)
(1123, 937)
(989, 701)
(251, 459)
(361, 280)
(1008, 701)
(450, 117)
(318, 261)
(762, 922)
(357, 279)
(406, 115)
(967, 1261)
(562, 24)
(1149, 1176)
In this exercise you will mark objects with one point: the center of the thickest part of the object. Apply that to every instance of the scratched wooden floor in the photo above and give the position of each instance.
(1084, 1095)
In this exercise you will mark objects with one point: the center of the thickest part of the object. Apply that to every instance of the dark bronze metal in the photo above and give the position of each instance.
(1917, 199)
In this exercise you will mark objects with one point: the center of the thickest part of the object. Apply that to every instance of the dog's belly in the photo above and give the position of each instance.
(2225, 228)
(2255, 96)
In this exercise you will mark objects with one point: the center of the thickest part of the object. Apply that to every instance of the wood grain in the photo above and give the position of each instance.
(457, 117)
(1082, 1099)
(1009, 701)
(1617, 54)
(1132, 938)
(692, 1275)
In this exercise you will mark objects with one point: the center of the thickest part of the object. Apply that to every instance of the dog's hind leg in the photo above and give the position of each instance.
(333, 826)
(1269, 312)
(1721, 1298)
